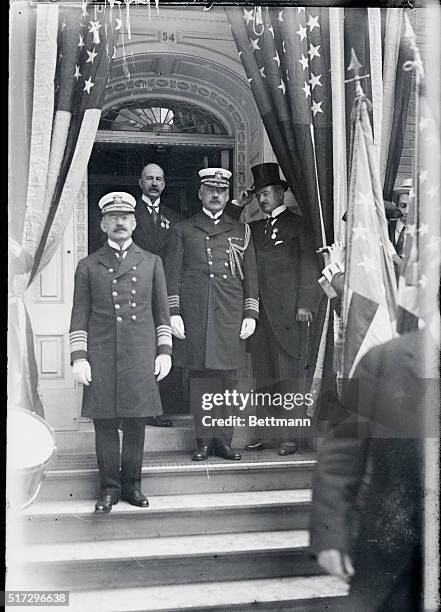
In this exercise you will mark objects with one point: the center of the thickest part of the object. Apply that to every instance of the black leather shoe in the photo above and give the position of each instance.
(136, 498)
(255, 446)
(104, 504)
(288, 449)
(201, 454)
(159, 421)
(225, 451)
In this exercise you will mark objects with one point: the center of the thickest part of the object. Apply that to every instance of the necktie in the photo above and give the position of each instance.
(400, 242)
(154, 211)
(268, 225)
(120, 253)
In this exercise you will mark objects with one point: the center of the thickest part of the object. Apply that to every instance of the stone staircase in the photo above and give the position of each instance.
(217, 536)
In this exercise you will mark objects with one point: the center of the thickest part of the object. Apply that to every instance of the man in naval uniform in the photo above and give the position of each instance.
(287, 272)
(120, 342)
(213, 298)
(154, 221)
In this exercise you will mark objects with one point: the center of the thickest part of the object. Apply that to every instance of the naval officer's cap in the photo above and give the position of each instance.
(117, 201)
(215, 177)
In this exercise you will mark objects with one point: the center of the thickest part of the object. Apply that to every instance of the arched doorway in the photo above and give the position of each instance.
(183, 112)
(181, 137)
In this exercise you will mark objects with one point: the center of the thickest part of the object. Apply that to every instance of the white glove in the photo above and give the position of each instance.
(246, 197)
(337, 254)
(81, 372)
(248, 327)
(163, 364)
(177, 326)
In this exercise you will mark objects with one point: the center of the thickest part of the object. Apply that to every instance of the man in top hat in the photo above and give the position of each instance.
(287, 272)
(213, 298)
(397, 226)
(120, 342)
(154, 221)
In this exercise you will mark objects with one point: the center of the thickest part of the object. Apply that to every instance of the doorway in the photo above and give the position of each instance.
(116, 167)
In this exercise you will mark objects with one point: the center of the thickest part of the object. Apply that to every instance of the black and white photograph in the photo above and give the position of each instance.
(223, 321)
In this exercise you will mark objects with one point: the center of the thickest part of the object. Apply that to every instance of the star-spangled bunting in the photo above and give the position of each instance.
(85, 37)
(285, 53)
(419, 282)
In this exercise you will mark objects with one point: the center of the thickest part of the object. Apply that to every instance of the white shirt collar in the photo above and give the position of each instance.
(399, 226)
(116, 246)
(212, 215)
(148, 201)
(278, 211)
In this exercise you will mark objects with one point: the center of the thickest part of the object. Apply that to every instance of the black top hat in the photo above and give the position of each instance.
(267, 174)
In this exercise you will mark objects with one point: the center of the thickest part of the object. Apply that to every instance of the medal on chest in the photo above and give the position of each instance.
(165, 223)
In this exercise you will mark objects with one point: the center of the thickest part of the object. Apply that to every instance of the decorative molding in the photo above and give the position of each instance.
(81, 224)
(49, 287)
(175, 139)
(50, 356)
(220, 103)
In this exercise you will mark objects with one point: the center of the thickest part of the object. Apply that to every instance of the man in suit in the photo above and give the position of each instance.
(368, 489)
(120, 341)
(397, 226)
(213, 298)
(287, 272)
(154, 221)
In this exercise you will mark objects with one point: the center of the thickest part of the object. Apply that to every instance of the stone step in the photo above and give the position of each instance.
(302, 594)
(188, 514)
(166, 560)
(73, 477)
(180, 437)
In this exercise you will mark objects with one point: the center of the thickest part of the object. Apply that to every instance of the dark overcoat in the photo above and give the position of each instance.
(150, 236)
(212, 298)
(368, 493)
(120, 323)
(288, 271)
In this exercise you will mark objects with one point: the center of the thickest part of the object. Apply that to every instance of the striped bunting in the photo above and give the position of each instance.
(78, 341)
(251, 304)
(163, 335)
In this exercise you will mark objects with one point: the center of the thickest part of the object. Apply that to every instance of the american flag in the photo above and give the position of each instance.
(369, 299)
(285, 53)
(419, 283)
(87, 37)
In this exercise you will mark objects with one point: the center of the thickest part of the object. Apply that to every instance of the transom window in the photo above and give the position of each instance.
(161, 116)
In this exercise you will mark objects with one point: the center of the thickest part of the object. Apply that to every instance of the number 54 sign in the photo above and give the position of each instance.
(169, 37)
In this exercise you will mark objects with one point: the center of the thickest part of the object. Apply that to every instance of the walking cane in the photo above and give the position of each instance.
(305, 375)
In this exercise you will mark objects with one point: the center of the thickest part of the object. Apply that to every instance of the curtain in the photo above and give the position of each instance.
(285, 53)
(60, 59)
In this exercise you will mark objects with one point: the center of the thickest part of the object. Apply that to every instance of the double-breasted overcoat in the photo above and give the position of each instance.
(120, 323)
(212, 283)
